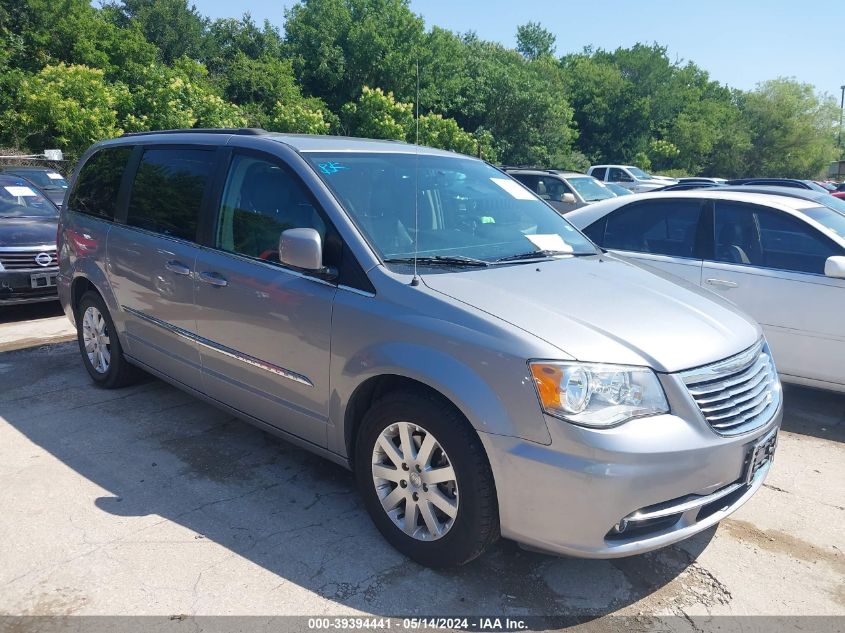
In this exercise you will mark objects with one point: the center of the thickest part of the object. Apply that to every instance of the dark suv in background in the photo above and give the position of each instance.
(28, 223)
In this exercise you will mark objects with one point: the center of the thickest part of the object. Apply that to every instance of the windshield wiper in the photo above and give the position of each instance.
(439, 260)
(541, 254)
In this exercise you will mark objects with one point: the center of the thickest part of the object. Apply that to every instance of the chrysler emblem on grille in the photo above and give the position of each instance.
(43, 259)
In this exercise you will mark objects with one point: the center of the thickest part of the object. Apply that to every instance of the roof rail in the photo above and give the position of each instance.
(241, 131)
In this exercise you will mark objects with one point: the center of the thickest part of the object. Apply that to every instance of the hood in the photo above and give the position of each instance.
(28, 231)
(602, 309)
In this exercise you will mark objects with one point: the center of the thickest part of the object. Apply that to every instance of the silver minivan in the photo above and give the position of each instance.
(425, 320)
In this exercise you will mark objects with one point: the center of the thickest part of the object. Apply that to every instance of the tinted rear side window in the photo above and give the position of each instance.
(168, 191)
(599, 173)
(658, 227)
(97, 186)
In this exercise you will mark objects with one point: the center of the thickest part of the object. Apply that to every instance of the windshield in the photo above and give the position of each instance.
(464, 207)
(18, 200)
(639, 174)
(590, 188)
(45, 179)
(828, 218)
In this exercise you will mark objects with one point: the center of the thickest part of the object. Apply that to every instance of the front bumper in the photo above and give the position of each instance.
(16, 287)
(670, 476)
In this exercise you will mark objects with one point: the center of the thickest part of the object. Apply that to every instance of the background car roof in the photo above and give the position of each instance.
(585, 216)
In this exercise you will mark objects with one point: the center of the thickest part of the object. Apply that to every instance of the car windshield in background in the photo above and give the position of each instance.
(45, 179)
(832, 220)
(837, 204)
(463, 207)
(639, 173)
(18, 199)
(590, 189)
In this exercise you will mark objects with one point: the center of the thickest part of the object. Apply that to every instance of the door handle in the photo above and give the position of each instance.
(722, 283)
(177, 268)
(215, 279)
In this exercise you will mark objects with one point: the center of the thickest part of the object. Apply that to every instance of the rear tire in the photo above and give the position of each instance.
(99, 345)
(425, 479)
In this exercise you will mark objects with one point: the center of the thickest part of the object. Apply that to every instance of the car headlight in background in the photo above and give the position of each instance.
(597, 395)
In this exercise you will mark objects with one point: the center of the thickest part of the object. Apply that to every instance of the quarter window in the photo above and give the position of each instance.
(168, 191)
(599, 172)
(98, 183)
(660, 228)
(260, 200)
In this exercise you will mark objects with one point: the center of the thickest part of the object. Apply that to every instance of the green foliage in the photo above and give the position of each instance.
(177, 97)
(173, 26)
(71, 73)
(63, 106)
(339, 46)
(792, 130)
(302, 117)
(534, 42)
(377, 114)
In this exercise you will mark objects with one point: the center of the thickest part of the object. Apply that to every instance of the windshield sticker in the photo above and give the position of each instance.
(331, 168)
(514, 188)
(54, 176)
(20, 191)
(550, 242)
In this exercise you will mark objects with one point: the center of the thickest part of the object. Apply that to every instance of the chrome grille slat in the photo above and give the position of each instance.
(721, 385)
(757, 384)
(748, 415)
(25, 259)
(738, 394)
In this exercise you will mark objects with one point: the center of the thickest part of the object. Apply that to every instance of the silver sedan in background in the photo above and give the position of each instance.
(780, 259)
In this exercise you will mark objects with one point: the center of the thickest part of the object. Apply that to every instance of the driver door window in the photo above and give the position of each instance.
(260, 200)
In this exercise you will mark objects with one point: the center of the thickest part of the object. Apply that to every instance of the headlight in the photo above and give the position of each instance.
(597, 395)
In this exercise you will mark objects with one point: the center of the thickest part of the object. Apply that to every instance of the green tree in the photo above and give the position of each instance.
(177, 97)
(792, 130)
(67, 107)
(377, 114)
(306, 116)
(339, 46)
(534, 42)
(174, 26)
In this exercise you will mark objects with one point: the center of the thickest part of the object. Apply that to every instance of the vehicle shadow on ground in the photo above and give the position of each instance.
(158, 451)
(30, 311)
(814, 412)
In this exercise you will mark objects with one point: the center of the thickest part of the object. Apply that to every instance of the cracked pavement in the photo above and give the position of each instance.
(147, 501)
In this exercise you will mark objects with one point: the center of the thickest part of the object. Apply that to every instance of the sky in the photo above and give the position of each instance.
(739, 42)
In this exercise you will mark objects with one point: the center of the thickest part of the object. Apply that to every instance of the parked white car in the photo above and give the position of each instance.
(630, 177)
(780, 259)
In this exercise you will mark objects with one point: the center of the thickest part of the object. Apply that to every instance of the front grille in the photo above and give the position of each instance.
(738, 394)
(26, 260)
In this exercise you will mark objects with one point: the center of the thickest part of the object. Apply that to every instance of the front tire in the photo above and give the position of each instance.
(101, 352)
(425, 480)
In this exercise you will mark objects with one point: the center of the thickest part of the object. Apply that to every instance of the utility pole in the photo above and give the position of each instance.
(841, 112)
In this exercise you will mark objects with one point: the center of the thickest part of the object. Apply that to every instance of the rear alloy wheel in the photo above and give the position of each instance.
(95, 337)
(102, 354)
(425, 479)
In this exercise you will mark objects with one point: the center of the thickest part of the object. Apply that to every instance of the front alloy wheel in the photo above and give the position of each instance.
(425, 479)
(415, 481)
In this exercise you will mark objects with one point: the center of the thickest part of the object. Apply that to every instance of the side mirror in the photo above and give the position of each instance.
(568, 198)
(301, 248)
(835, 267)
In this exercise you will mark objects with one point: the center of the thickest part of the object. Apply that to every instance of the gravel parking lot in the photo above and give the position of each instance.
(147, 501)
